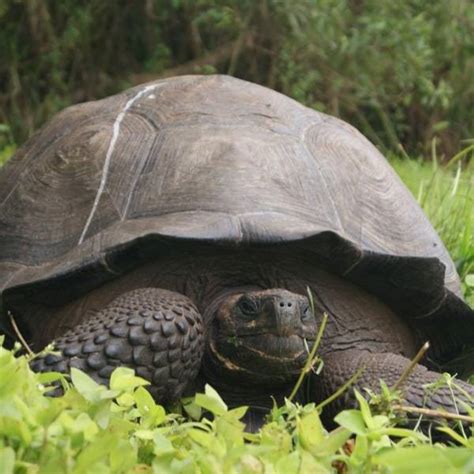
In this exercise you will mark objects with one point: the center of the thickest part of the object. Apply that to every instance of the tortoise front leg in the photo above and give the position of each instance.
(158, 333)
(339, 367)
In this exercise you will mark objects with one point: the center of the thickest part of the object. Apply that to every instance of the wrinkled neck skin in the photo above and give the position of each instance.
(237, 391)
(238, 387)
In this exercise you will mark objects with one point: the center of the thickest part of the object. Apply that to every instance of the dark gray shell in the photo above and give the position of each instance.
(215, 159)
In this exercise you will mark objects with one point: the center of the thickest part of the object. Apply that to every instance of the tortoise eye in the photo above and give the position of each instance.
(307, 314)
(248, 307)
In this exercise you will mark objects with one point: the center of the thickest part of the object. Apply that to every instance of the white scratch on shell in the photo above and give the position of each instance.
(151, 96)
(108, 156)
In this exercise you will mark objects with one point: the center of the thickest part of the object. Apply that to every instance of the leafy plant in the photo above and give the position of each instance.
(7, 145)
(92, 428)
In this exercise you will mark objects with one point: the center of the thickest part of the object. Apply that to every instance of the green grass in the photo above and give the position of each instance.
(6, 153)
(7, 143)
(446, 194)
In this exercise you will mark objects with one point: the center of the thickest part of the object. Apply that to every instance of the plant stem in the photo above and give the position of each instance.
(310, 359)
(342, 389)
(19, 335)
(460, 155)
(411, 365)
(434, 413)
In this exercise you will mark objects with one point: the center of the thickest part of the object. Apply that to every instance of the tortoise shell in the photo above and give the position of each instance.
(212, 159)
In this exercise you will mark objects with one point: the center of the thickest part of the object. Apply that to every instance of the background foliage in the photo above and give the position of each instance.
(446, 194)
(399, 71)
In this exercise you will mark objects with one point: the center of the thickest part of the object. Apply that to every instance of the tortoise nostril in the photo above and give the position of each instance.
(289, 305)
(282, 304)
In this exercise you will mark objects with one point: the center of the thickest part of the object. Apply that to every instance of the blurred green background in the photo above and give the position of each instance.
(400, 71)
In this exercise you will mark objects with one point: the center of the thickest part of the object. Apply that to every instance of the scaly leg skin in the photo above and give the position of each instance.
(158, 333)
(339, 367)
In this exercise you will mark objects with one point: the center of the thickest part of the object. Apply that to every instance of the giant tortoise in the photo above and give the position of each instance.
(175, 228)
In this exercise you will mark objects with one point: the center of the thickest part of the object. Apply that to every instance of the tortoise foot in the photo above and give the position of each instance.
(415, 389)
(158, 333)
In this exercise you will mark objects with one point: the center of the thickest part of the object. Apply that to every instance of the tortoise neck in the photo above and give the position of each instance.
(239, 387)
(259, 397)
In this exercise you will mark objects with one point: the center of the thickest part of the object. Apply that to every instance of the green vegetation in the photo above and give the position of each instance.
(93, 429)
(446, 194)
(400, 71)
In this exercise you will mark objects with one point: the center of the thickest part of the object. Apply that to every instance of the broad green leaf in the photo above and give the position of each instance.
(379, 421)
(145, 434)
(16, 429)
(85, 385)
(152, 414)
(360, 453)
(385, 390)
(102, 414)
(352, 420)
(403, 433)
(95, 452)
(25, 410)
(49, 377)
(144, 400)
(365, 410)
(122, 457)
(126, 400)
(289, 464)
(310, 465)
(276, 437)
(250, 464)
(86, 426)
(124, 379)
(202, 437)
(237, 413)
(192, 409)
(211, 401)
(425, 460)
(141, 468)
(7, 460)
(310, 430)
(334, 441)
(162, 445)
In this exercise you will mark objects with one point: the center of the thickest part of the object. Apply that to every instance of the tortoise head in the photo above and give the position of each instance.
(262, 335)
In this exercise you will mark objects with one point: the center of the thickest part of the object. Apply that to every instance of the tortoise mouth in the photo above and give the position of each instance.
(265, 354)
(276, 345)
